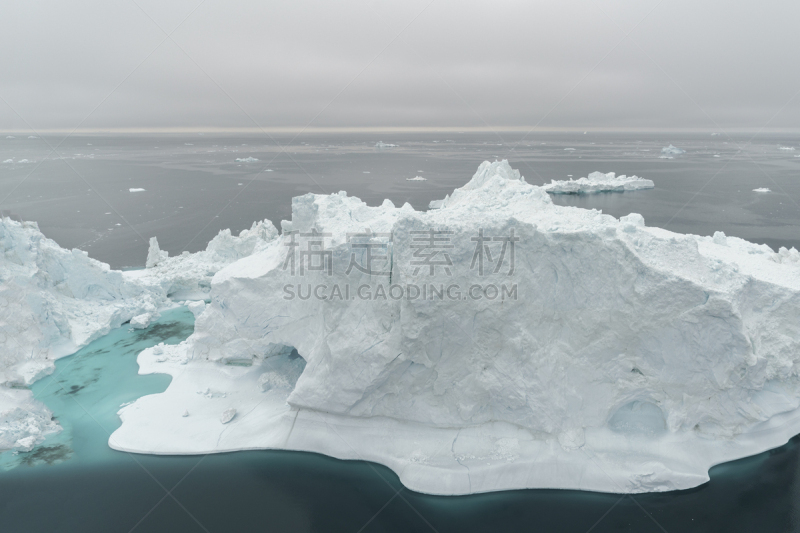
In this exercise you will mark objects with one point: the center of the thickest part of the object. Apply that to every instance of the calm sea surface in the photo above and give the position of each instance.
(194, 187)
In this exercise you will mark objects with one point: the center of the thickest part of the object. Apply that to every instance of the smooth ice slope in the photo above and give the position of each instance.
(598, 182)
(627, 359)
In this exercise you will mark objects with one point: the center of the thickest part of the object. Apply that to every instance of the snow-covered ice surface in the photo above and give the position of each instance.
(628, 359)
(598, 182)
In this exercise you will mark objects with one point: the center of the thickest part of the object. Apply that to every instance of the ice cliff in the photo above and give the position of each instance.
(497, 342)
(598, 182)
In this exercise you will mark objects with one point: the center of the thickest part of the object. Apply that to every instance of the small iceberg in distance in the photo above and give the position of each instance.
(786, 148)
(246, 160)
(381, 144)
(598, 182)
(669, 151)
(762, 189)
(416, 178)
(136, 190)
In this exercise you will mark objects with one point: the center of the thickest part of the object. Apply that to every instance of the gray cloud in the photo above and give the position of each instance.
(466, 63)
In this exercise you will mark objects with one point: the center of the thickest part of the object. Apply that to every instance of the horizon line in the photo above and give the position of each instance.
(385, 129)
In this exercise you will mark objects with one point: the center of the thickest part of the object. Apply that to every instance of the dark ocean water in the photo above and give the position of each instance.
(74, 482)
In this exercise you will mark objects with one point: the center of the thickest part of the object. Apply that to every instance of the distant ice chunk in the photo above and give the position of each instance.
(23, 161)
(787, 148)
(10, 137)
(416, 178)
(32, 137)
(672, 150)
(762, 189)
(135, 189)
(246, 159)
(569, 149)
(381, 144)
(598, 182)
(8, 161)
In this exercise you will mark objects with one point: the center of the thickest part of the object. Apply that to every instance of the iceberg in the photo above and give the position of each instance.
(246, 159)
(136, 189)
(786, 148)
(598, 182)
(672, 150)
(497, 342)
(381, 144)
(417, 178)
(669, 152)
(762, 189)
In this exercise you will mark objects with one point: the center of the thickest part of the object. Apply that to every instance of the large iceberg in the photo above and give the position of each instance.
(497, 342)
(598, 182)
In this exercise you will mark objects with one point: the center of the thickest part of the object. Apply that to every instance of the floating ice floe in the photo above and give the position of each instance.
(23, 161)
(8, 161)
(417, 178)
(246, 159)
(569, 149)
(135, 189)
(381, 144)
(598, 182)
(786, 148)
(762, 189)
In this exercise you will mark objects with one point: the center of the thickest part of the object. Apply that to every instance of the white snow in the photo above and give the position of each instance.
(136, 190)
(632, 360)
(598, 182)
(417, 178)
(246, 159)
(762, 189)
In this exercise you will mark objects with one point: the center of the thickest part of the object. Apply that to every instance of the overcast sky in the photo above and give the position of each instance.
(575, 64)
